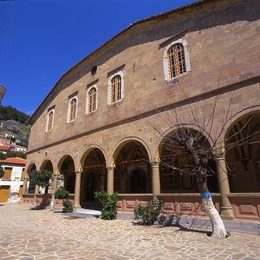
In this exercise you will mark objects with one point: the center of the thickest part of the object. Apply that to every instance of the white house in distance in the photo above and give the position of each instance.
(11, 184)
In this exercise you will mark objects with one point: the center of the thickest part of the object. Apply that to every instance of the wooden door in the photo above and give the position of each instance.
(4, 193)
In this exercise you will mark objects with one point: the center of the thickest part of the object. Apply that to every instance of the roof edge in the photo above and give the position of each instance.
(34, 117)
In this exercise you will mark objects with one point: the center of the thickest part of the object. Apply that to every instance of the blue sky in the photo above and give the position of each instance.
(41, 39)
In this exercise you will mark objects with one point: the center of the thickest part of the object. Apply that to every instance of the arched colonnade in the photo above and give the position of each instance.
(131, 167)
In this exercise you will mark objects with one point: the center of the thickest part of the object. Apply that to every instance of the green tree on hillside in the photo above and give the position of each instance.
(11, 113)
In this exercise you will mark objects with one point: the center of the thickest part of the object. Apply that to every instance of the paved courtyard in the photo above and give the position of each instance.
(32, 234)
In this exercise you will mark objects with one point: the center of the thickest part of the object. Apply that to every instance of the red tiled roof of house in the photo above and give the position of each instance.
(5, 147)
(14, 160)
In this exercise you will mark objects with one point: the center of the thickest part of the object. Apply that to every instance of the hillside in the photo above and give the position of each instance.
(14, 122)
(11, 113)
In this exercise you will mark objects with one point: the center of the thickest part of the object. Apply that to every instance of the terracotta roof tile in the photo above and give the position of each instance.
(14, 160)
(5, 147)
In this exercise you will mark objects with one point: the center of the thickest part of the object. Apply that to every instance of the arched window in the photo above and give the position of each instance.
(50, 120)
(92, 100)
(116, 89)
(73, 109)
(176, 60)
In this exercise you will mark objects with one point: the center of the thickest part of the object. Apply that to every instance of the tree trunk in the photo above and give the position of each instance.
(46, 189)
(218, 228)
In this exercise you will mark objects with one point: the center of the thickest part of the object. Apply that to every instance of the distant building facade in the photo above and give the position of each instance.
(7, 145)
(11, 184)
(97, 126)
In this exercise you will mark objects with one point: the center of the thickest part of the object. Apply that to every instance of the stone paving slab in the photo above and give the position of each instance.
(41, 234)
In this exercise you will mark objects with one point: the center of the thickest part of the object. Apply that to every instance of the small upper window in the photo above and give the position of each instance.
(50, 120)
(116, 88)
(72, 113)
(92, 100)
(176, 61)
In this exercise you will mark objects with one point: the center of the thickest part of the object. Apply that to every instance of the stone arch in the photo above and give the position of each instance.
(47, 163)
(62, 158)
(30, 165)
(94, 175)
(235, 117)
(126, 140)
(31, 169)
(173, 180)
(132, 173)
(88, 150)
(242, 140)
(178, 126)
(66, 166)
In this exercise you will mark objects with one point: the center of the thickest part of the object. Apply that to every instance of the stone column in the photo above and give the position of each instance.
(226, 211)
(54, 188)
(54, 183)
(25, 184)
(156, 178)
(77, 190)
(110, 180)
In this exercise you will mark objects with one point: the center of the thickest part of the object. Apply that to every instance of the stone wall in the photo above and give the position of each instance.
(223, 45)
(231, 41)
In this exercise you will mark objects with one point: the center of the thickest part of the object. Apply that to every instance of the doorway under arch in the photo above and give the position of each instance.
(31, 170)
(242, 143)
(132, 172)
(174, 159)
(67, 169)
(94, 177)
(47, 165)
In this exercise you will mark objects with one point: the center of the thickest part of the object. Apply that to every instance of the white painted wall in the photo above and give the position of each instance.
(14, 182)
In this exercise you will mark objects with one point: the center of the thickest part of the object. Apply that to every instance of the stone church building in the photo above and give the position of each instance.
(103, 125)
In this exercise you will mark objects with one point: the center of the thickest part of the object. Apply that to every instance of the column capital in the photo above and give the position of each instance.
(156, 162)
(112, 166)
(220, 152)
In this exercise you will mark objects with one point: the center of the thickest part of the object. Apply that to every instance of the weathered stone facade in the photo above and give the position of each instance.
(223, 45)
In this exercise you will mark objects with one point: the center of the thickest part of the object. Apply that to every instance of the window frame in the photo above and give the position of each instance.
(69, 109)
(87, 99)
(186, 58)
(47, 120)
(109, 92)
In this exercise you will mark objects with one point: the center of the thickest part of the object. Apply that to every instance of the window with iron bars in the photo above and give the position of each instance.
(176, 60)
(73, 109)
(116, 89)
(92, 100)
